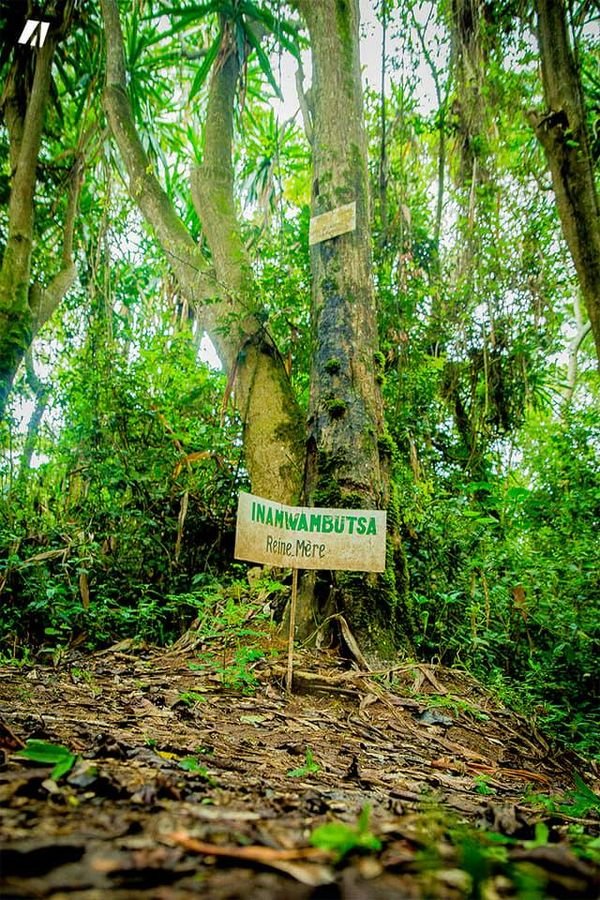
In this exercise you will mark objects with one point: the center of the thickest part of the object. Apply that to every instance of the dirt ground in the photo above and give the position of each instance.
(186, 786)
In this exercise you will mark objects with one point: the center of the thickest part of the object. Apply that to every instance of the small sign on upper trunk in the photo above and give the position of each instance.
(310, 537)
(331, 224)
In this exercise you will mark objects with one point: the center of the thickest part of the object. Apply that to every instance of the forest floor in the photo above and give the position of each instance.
(183, 785)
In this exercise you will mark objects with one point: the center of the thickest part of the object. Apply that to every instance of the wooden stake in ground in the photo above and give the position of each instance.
(290, 670)
(352, 549)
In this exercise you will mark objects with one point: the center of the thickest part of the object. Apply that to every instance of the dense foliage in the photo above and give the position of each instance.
(122, 457)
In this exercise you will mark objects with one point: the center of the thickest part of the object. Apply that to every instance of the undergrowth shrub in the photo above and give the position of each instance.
(508, 583)
(137, 498)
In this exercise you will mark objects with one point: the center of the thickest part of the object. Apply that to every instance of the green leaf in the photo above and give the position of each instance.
(61, 768)
(340, 839)
(517, 493)
(191, 764)
(363, 819)
(585, 791)
(281, 28)
(43, 752)
(481, 787)
(542, 833)
(47, 754)
(581, 800)
(195, 767)
(202, 73)
(263, 60)
(474, 486)
(310, 767)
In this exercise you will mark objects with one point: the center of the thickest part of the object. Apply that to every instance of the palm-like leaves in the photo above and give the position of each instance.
(272, 152)
(245, 21)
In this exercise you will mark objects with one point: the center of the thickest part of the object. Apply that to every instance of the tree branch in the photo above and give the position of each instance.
(213, 182)
(28, 132)
(43, 302)
(563, 134)
(272, 422)
(184, 256)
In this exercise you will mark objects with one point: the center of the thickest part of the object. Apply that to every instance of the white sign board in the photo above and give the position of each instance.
(309, 537)
(331, 224)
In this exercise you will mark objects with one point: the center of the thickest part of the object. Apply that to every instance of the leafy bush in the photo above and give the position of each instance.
(508, 583)
(136, 500)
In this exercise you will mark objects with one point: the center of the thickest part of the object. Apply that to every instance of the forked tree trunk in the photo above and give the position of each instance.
(349, 450)
(562, 132)
(274, 433)
(274, 428)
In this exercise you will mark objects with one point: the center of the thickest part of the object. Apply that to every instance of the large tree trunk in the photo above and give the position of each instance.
(274, 428)
(274, 434)
(562, 132)
(471, 40)
(24, 307)
(349, 450)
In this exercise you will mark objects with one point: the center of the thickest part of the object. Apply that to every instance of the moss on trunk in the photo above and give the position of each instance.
(563, 133)
(349, 449)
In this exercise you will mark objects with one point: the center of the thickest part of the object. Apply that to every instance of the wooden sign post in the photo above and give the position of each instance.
(292, 630)
(303, 537)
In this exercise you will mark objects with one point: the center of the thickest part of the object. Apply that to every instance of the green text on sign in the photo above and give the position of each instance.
(310, 538)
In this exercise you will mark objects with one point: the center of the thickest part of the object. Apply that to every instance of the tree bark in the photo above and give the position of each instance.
(562, 132)
(470, 53)
(24, 307)
(349, 449)
(274, 429)
(16, 319)
(274, 435)
(472, 40)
